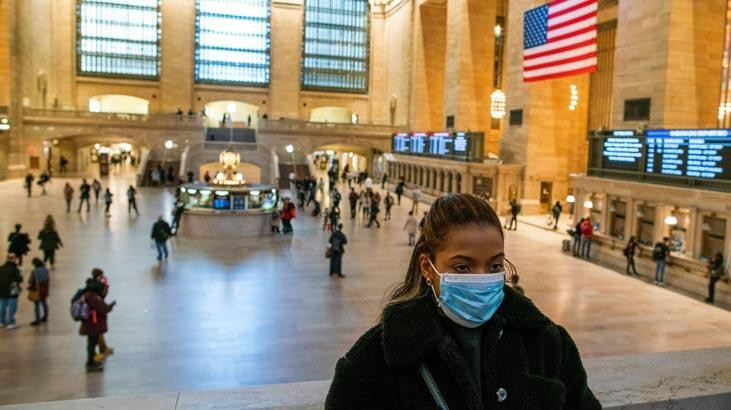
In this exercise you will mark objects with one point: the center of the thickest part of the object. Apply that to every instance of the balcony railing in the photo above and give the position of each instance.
(293, 125)
(74, 116)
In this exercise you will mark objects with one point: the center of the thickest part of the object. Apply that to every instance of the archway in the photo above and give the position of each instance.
(338, 115)
(118, 103)
(244, 115)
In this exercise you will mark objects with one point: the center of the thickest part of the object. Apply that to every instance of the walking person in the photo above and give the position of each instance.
(177, 215)
(556, 211)
(715, 273)
(400, 191)
(411, 227)
(287, 213)
(660, 254)
(587, 236)
(98, 275)
(18, 243)
(68, 195)
(97, 187)
(276, 222)
(160, 234)
(454, 323)
(384, 179)
(96, 325)
(514, 212)
(336, 198)
(28, 184)
(38, 285)
(107, 202)
(388, 201)
(132, 200)
(42, 181)
(353, 199)
(365, 200)
(337, 249)
(334, 217)
(10, 282)
(629, 254)
(375, 209)
(84, 195)
(416, 197)
(50, 241)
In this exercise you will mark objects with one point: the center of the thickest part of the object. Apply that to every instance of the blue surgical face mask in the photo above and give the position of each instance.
(469, 300)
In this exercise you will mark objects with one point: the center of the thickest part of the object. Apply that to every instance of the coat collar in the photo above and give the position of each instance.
(412, 330)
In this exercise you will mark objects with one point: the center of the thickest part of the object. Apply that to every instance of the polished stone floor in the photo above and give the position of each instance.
(230, 313)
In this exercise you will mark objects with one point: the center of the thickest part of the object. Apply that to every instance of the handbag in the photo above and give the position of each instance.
(14, 289)
(329, 252)
(34, 295)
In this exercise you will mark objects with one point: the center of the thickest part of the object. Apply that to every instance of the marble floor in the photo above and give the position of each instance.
(230, 313)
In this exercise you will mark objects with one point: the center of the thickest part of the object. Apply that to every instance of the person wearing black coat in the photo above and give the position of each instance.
(429, 351)
(337, 246)
(19, 242)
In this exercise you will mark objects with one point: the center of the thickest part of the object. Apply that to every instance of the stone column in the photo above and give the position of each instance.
(630, 218)
(690, 233)
(455, 182)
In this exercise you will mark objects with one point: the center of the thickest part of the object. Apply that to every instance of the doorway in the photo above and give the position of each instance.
(546, 196)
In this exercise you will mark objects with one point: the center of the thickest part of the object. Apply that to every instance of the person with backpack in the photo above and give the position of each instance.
(19, 242)
(587, 236)
(107, 202)
(556, 212)
(375, 209)
(42, 181)
(38, 285)
(389, 204)
(10, 281)
(399, 191)
(629, 253)
(337, 249)
(132, 200)
(68, 195)
(93, 317)
(84, 190)
(660, 254)
(336, 197)
(50, 241)
(160, 234)
(514, 212)
(353, 198)
(576, 234)
(97, 187)
(715, 273)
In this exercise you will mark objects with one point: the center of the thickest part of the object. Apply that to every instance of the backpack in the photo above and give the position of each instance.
(657, 253)
(80, 311)
(338, 196)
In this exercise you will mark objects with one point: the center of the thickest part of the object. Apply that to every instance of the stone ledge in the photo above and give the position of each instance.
(694, 379)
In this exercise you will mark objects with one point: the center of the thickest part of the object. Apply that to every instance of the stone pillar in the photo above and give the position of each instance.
(177, 49)
(284, 91)
(455, 182)
(690, 233)
(631, 219)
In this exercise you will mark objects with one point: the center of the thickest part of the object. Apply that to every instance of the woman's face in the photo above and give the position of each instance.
(466, 250)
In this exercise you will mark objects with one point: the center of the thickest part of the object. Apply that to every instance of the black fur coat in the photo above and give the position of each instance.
(528, 362)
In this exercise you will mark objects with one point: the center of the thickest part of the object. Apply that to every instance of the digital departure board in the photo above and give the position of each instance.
(689, 153)
(693, 157)
(459, 146)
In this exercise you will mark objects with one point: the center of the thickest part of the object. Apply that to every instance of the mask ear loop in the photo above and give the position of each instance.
(431, 285)
(510, 270)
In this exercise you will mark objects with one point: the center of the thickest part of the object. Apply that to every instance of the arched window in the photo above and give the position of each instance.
(335, 50)
(118, 38)
(232, 42)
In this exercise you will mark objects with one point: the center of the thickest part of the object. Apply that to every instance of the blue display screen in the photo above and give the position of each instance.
(702, 154)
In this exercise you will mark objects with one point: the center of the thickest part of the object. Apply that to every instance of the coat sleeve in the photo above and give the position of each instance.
(359, 377)
(573, 375)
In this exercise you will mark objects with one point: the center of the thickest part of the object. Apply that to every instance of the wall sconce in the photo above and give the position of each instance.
(671, 220)
(497, 104)
(588, 204)
(571, 199)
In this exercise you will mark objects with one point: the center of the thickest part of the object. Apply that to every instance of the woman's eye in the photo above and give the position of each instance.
(462, 268)
(496, 267)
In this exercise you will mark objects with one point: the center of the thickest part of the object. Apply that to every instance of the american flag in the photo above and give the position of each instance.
(559, 39)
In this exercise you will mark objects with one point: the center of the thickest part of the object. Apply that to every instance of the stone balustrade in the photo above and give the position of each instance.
(156, 120)
(696, 379)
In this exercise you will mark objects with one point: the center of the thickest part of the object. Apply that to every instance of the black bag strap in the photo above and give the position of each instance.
(433, 389)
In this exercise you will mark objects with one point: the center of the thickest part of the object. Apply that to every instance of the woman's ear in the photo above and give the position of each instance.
(426, 269)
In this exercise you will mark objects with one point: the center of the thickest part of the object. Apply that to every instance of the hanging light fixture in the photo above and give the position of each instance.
(588, 204)
(571, 199)
(671, 220)
(497, 104)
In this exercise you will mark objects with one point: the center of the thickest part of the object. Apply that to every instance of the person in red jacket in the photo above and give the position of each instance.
(96, 325)
(587, 232)
(287, 213)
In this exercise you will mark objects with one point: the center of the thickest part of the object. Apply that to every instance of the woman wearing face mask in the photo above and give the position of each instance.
(454, 336)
